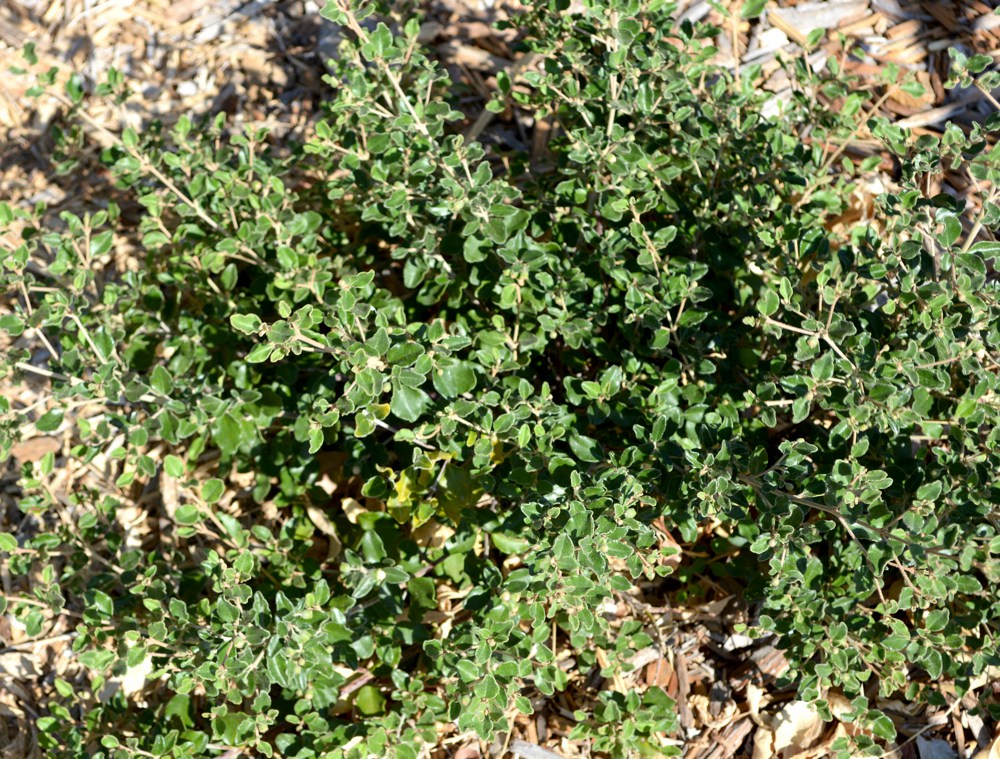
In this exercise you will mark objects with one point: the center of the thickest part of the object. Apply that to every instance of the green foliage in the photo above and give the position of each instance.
(661, 322)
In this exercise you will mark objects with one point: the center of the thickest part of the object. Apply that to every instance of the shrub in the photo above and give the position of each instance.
(509, 369)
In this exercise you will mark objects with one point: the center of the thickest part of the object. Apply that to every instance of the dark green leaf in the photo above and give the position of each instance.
(454, 378)
(408, 403)
(227, 612)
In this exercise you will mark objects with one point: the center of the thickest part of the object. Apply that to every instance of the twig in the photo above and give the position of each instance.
(75, 381)
(758, 487)
(839, 151)
(149, 167)
(39, 642)
(416, 441)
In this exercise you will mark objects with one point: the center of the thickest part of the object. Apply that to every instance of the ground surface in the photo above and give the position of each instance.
(262, 63)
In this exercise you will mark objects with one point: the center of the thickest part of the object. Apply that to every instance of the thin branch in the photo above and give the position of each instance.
(758, 487)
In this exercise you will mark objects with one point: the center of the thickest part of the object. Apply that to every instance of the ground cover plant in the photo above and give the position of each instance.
(535, 388)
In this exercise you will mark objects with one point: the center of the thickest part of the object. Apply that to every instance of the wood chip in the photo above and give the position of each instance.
(797, 22)
(937, 116)
(473, 57)
(728, 741)
(531, 750)
(915, 101)
(862, 27)
(910, 28)
(895, 9)
(659, 674)
(986, 22)
(683, 691)
(223, 11)
(909, 56)
(892, 47)
(943, 13)
(180, 11)
(11, 34)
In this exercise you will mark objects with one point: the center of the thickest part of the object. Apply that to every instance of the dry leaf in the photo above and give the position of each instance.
(840, 705)
(737, 642)
(702, 705)
(432, 534)
(20, 666)
(327, 484)
(990, 752)
(132, 519)
(757, 699)
(169, 495)
(331, 467)
(667, 542)
(352, 509)
(797, 727)
(319, 518)
(35, 448)
(935, 748)
(763, 744)
(134, 678)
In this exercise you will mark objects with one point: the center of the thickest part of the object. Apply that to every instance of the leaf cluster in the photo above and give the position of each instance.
(532, 363)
